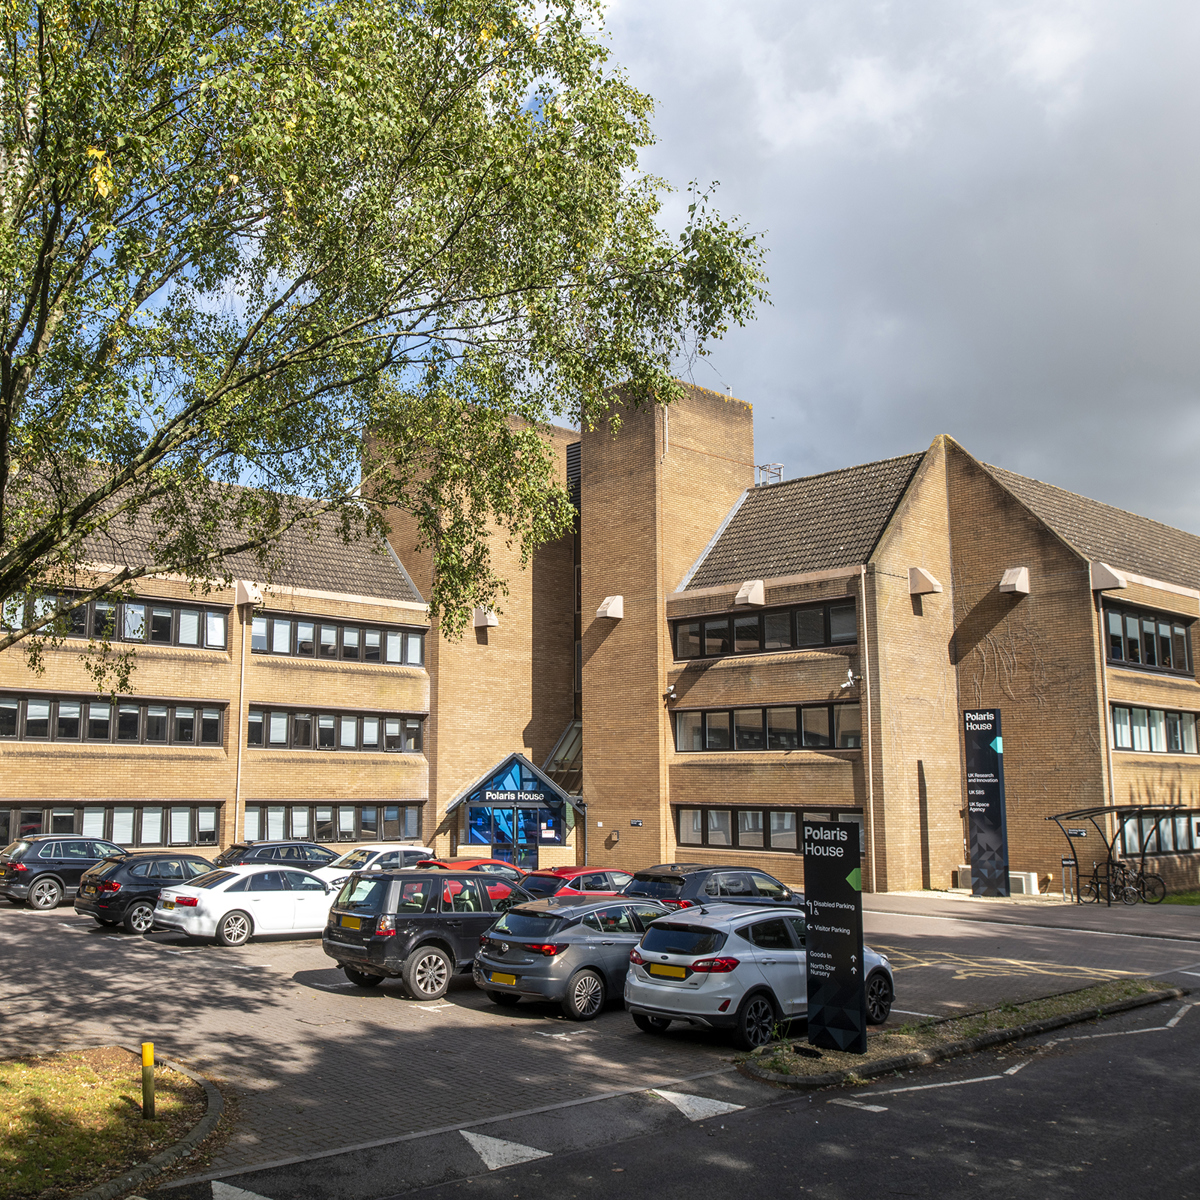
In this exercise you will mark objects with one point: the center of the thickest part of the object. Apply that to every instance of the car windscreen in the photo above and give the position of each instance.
(13, 852)
(654, 887)
(670, 938)
(530, 924)
(212, 879)
(542, 885)
(355, 858)
(364, 894)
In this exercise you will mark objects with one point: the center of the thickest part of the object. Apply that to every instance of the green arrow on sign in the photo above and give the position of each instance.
(854, 879)
(998, 745)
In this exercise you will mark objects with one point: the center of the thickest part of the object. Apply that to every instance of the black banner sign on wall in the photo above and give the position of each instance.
(987, 822)
(837, 1006)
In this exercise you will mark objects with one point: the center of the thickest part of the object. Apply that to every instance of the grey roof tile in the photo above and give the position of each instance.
(810, 524)
(1103, 533)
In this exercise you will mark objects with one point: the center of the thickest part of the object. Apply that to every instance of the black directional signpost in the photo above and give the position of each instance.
(986, 818)
(837, 1004)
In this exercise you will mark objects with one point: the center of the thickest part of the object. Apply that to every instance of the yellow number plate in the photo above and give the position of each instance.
(669, 972)
(168, 904)
(351, 922)
(500, 977)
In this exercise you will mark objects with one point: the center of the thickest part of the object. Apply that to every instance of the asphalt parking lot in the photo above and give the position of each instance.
(319, 1065)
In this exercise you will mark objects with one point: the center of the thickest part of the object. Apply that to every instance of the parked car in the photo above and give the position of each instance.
(685, 885)
(488, 866)
(731, 967)
(573, 951)
(42, 870)
(305, 855)
(422, 927)
(124, 891)
(575, 881)
(386, 856)
(233, 904)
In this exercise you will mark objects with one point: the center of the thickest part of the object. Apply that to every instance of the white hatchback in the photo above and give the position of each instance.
(728, 966)
(385, 856)
(234, 903)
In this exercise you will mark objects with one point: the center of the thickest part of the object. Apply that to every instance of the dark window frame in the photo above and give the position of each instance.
(85, 703)
(197, 837)
(1168, 734)
(734, 616)
(403, 632)
(408, 815)
(81, 622)
(767, 810)
(1130, 612)
(314, 714)
(729, 714)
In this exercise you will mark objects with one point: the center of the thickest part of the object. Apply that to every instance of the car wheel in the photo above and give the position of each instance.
(756, 1020)
(427, 972)
(585, 996)
(46, 894)
(139, 918)
(234, 929)
(504, 999)
(651, 1024)
(879, 998)
(361, 978)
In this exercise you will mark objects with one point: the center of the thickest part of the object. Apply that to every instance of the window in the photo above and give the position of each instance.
(294, 731)
(327, 823)
(833, 624)
(758, 829)
(137, 621)
(1148, 640)
(813, 727)
(1161, 834)
(99, 726)
(1153, 730)
(349, 643)
(76, 720)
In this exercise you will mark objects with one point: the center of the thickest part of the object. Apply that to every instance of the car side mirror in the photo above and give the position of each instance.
(786, 895)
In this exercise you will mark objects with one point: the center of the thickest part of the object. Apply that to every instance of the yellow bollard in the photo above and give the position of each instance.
(147, 1081)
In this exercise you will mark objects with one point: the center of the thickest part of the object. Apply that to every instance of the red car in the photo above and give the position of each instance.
(489, 866)
(575, 881)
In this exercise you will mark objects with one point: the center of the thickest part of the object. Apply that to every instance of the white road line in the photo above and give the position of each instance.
(1019, 1067)
(855, 1104)
(696, 1108)
(497, 1153)
(907, 1012)
(1180, 1015)
(1185, 972)
(226, 1191)
(1091, 1037)
(928, 1087)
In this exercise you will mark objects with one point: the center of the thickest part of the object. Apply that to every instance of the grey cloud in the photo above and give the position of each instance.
(983, 219)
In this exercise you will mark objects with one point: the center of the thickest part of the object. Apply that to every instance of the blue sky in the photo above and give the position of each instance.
(983, 219)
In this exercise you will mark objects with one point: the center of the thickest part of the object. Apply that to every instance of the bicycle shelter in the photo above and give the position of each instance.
(1141, 829)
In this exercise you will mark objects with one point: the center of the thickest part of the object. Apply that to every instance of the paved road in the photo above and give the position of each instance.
(320, 1065)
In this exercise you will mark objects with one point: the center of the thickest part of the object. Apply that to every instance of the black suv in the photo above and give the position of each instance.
(421, 927)
(123, 891)
(305, 855)
(686, 885)
(42, 870)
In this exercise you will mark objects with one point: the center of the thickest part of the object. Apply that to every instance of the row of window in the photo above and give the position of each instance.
(328, 640)
(125, 824)
(1153, 730)
(1160, 835)
(1146, 639)
(767, 829)
(158, 622)
(756, 632)
(332, 822)
(39, 719)
(283, 730)
(812, 727)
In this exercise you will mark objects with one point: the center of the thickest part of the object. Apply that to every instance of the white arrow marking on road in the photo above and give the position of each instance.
(856, 1104)
(697, 1108)
(495, 1152)
(226, 1191)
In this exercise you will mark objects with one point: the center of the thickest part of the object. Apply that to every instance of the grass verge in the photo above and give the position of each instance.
(1183, 898)
(70, 1121)
(787, 1058)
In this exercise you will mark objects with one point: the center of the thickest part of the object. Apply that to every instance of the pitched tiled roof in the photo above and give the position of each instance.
(809, 524)
(1106, 534)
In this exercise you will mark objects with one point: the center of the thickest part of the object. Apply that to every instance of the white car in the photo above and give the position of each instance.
(727, 966)
(234, 903)
(386, 856)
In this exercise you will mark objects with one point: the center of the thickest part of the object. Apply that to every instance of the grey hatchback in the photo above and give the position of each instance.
(569, 950)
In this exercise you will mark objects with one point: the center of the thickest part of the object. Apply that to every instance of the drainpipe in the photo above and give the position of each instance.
(237, 792)
(1112, 797)
(870, 756)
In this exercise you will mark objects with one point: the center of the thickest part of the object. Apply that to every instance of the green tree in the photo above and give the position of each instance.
(268, 260)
